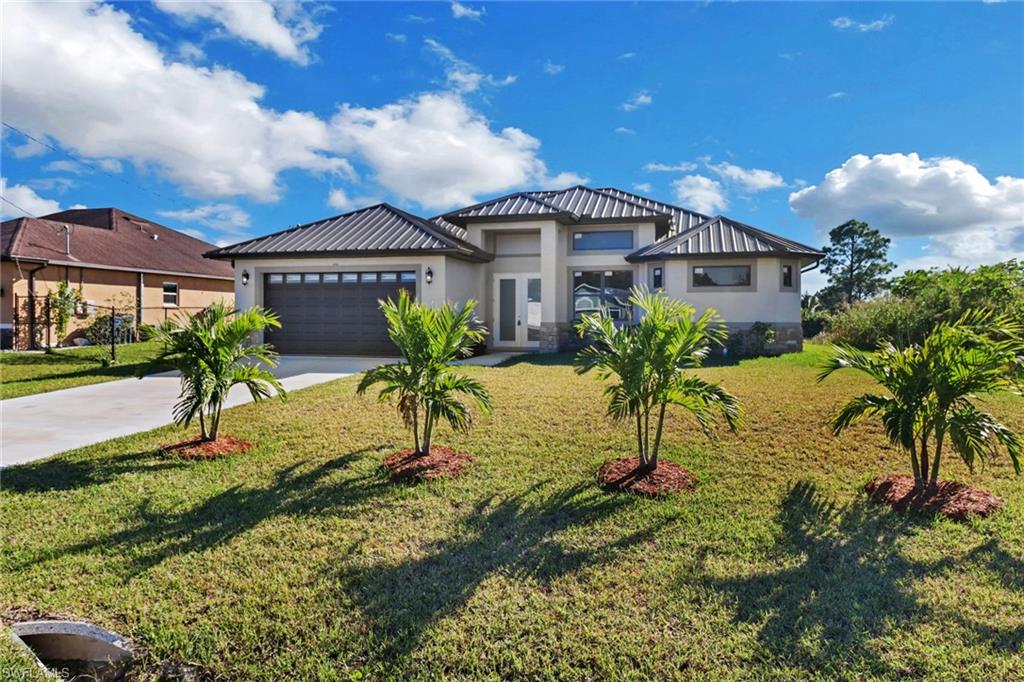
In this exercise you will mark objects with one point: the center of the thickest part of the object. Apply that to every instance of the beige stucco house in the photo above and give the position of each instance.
(110, 257)
(535, 261)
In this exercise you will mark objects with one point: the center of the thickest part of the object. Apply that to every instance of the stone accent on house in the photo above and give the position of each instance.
(557, 336)
(789, 337)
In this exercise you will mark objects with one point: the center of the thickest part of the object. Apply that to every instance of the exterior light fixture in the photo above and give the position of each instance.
(245, 277)
(429, 275)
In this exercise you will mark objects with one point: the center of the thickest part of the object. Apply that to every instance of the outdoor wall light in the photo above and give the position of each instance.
(245, 277)
(429, 275)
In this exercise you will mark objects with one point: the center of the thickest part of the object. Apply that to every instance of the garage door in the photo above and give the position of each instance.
(332, 313)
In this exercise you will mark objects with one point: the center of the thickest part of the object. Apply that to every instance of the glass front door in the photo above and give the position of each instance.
(517, 310)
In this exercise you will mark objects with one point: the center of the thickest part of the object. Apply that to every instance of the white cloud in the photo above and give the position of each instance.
(552, 69)
(438, 151)
(190, 52)
(24, 201)
(282, 27)
(838, 94)
(627, 55)
(417, 19)
(640, 98)
(460, 11)
(681, 167)
(463, 76)
(700, 193)
(224, 217)
(396, 37)
(968, 218)
(642, 187)
(623, 130)
(65, 166)
(848, 24)
(748, 179)
(208, 132)
(340, 200)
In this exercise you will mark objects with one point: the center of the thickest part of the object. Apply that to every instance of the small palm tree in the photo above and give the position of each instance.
(425, 387)
(933, 387)
(213, 352)
(649, 362)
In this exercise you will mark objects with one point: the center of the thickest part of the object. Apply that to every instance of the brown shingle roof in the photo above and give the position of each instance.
(109, 238)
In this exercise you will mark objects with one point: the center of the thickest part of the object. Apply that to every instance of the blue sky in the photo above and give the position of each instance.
(234, 120)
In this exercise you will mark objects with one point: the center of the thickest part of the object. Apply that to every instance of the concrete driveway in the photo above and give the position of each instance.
(37, 426)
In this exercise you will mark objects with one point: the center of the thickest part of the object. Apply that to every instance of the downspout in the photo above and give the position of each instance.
(140, 288)
(32, 305)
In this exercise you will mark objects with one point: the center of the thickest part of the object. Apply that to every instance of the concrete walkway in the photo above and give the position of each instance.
(37, 426)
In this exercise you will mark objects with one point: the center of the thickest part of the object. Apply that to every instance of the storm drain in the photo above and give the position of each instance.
(74, 651)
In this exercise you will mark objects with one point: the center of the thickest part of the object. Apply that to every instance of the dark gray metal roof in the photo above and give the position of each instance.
(380, 230)
(682, 218)
(721, 236)
(574, 204)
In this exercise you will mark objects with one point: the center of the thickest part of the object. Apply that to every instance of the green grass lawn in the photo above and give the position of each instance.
(29, 373)
(299, 560)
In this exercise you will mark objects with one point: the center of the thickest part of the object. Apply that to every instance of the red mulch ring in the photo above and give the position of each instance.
(442, 462)
(624, 474)
(197, 448)
(953, 500)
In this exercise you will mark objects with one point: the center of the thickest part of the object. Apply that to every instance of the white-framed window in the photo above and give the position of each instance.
(171, 294)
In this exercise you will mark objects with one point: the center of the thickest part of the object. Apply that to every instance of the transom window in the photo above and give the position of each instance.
(170, 294)
(609, 289)
(602, 240)
(338, 277)
(721, 276)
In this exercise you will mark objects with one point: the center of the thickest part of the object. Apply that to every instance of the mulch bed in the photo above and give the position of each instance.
(442, 462)
(957, 501)
(624, 475)
(197, 448)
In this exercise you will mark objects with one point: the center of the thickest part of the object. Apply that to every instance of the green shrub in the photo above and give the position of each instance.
(814, 322)
(866, 325)
(98, 332)
(748, 343)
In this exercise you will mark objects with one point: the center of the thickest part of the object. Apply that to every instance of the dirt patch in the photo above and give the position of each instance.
(442, 462)
(625, 475)
(953, 500)
(197, 448)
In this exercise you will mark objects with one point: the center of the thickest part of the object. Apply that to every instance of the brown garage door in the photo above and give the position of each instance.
(333, 313)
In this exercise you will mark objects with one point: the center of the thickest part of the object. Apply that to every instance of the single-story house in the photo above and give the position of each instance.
(112, 258)
(534, 260)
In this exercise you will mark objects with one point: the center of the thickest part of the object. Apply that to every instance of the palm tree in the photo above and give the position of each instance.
(649, 362)
(933, 387)
(425, 386)
(213, 352)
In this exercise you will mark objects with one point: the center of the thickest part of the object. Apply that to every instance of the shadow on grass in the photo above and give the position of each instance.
(158, 535)
(61, 473)
(515, 536)
(566, 360)
(126, 370)
(845, 583)
(54, 358)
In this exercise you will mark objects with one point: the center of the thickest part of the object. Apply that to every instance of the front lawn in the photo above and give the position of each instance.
(29, 373)
(299, 560)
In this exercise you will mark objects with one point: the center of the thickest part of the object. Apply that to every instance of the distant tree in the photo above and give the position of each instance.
(856, 264)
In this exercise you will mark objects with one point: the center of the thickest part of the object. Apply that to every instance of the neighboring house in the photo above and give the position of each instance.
(534, 260)
(112, 258)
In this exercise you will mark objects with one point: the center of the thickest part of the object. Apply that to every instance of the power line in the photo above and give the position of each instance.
(98, 169)
(8, 201)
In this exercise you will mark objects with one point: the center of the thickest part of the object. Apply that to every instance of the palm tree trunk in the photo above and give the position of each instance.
(202, 426)
(914, 464)
(428, 432)
(215, 420)
(933, 484)
(924, 459)
(657, 436)
(416, 428)
(647, 438)
(640, 442)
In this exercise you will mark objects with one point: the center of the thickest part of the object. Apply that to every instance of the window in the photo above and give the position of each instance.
(658, 278)
(609, 290)
(292, 278)
(408, 276)
(365, 277)
(330, 278)
(311, 278)
(603, 240)
(170, 294)
(787, 276)
(721, 276)
(349, 277)
(275, 279)
(389, 277)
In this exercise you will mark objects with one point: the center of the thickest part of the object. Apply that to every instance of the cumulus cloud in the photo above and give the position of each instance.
(681, 167)
(642, 187)
(462, 75)
(838, 94)
(21, 200)
(968, 218)
(340, 200)
(640, 98)
(848, 24)
(282, 27)
(202, 128)
(460, 11)
(748, 179)
(627, 55)
(552, 69)
(700, 193)
(438, 151)
(223, 216)
(396, 37)
(623, 130)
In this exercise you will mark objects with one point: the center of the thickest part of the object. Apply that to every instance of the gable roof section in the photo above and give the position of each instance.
(378, 230)
(721, 236)
(574, 204)
(108, 238)
(682, 218)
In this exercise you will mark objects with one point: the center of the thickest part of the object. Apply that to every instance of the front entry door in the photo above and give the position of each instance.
(517, 301)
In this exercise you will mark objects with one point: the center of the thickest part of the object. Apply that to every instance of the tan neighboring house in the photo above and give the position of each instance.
(110, 257)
